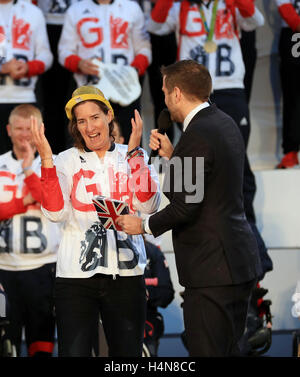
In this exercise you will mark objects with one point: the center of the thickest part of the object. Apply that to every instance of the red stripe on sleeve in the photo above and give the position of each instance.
(7, 174)
(71, 63)
(151, 281)
(40, 346)
(52, 198)
(290, 16)
(35, 67)
(15, 205)
(161, 9)
(9, 209)
(140, 180)
(33, 182)
(245, 7)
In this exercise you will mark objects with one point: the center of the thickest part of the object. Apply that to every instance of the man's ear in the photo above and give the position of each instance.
(178, 93)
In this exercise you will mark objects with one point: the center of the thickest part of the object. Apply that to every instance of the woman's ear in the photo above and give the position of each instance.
(110, 116)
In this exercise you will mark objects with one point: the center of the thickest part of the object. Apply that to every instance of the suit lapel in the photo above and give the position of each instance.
(201, 114)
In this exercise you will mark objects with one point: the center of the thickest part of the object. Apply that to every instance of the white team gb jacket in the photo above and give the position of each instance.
(114, 32)
(86, 247)
(28, 239)
(226, 64)
(25, 39)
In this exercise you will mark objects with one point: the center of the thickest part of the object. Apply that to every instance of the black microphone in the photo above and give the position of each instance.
(164, 122)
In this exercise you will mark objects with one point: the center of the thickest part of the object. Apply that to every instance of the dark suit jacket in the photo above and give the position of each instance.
(213, 242)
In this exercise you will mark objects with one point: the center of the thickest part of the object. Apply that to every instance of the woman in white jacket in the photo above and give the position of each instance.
(98, 270)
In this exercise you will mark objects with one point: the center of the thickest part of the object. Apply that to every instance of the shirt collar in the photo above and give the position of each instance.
(111, 148)
(96, 2)
(191, 114)
(36, 153)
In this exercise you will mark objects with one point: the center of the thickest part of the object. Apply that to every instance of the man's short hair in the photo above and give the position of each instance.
(25, 110)
(192, 78)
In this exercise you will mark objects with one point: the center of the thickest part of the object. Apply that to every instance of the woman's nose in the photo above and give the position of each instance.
(89, 126)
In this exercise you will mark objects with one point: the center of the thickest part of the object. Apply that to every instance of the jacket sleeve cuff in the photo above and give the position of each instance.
(146, 225)
(52, 198)
(290, 16)
(14, 207)
(48, 173)
(141, 63)
(246, 7)
(161, 9)
(71, 63)
(35, 68)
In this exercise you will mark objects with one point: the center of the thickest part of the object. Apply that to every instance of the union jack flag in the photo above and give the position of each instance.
(108, 210)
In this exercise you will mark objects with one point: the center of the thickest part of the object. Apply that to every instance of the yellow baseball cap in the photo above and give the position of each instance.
(85, 93)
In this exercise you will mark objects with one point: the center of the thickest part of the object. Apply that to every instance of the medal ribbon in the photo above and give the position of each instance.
(210, 31)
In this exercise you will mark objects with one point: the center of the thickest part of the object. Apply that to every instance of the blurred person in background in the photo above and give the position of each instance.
(160, 294)
(289, 11)
(56, 84)
(113, 32)
(25, 56)
(28, 240)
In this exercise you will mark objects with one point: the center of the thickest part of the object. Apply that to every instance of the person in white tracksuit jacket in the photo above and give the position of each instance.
(28, 241)
(112, 31)
(24, 55)
(98, 270)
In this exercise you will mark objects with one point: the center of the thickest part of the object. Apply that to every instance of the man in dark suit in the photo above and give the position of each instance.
(216, 253)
